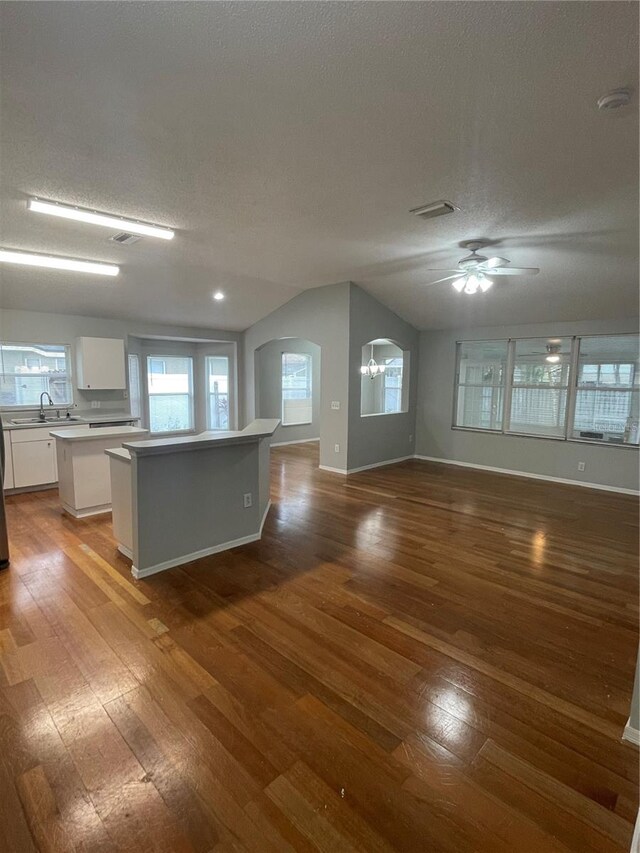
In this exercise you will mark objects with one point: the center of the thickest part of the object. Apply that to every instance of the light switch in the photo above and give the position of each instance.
(335, 404)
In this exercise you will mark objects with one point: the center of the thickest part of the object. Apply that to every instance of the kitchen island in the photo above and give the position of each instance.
(83, 469)
(179, 499)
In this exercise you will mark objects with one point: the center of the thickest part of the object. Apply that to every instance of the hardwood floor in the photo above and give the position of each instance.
(416, 658)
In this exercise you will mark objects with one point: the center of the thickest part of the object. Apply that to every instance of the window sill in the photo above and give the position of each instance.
(297, 423)
(545, 437)
(383, 414)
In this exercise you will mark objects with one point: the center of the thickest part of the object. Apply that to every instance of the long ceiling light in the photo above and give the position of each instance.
(9, 256)
(94, 217)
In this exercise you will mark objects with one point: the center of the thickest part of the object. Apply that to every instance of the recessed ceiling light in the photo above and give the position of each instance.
(218, 296)
(94, 217)
(9, 256)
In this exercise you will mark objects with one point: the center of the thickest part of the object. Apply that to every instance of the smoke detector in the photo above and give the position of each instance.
(125, 239)
(614, 100)
(436, 208)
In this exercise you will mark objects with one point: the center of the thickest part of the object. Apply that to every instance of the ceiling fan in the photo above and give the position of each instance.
(471, 273)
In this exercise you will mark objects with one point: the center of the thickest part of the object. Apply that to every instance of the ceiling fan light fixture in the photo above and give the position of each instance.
(458, 284)
(485, 284)
(553, 359)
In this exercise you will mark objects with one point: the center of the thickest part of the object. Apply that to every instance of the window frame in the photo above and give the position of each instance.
(208, 394)
(69, 363)
(191, 394)
(133, 365)
(571, 388)
(309, 358)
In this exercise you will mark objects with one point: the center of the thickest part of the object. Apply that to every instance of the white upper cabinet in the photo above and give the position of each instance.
(100, 363)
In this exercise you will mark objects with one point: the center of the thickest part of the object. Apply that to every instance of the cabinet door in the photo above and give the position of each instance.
(34, 463)
(101, 363)
(8, 463)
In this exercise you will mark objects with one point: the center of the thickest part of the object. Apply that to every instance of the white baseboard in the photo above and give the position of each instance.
(379, 464)
(529, 475)
(197, 555)
(635, 841)
(366, 467)
(297, 441)
(87, 511)
(125, 551)
(630, 734)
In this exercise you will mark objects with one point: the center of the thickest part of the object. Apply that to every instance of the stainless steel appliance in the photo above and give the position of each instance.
(4, 538)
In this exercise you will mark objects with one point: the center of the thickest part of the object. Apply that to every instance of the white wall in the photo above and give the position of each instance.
(268, 374)
(609, 466)
(36, 327)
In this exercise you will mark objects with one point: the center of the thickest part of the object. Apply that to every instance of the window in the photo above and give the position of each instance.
(583, 389)
(540, 382)
(134, 385)
(296, 389)
(392, 385)
(606, 405)
(480, 385)
(26, 370)
(217, 392)
(170, 393)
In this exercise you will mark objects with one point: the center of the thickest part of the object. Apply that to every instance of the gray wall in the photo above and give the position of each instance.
(609, 466)
(320, 315)
(37, 327)
(268, 378)
(381, 437)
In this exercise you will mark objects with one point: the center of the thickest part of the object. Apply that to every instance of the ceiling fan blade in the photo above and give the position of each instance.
(458, 274)
(515, 271)
(496, 262)
(439, 269)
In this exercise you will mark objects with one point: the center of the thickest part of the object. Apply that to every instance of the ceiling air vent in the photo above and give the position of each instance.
(125, 239)
(436, 208)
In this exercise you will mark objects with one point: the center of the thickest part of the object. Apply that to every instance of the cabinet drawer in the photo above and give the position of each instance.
(34, 463)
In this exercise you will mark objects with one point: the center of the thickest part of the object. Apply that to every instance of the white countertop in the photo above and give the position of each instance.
(261, 428)
(85, 433)
(77, 419)
(119, 453)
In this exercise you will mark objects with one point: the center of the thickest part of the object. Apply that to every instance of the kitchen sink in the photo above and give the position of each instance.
(26, 421)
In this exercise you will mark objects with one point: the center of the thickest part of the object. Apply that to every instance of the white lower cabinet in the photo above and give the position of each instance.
(34, 463)
(8, 463)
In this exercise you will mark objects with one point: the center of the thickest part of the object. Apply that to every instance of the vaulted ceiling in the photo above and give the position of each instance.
(286, 143)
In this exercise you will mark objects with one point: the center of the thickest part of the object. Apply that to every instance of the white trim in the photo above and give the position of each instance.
(635, 841)
(88, 511)
(297, 441)
(125, 551)
(197, 555)
(365, 467)
(529, 475)
(630, 734)
(380, 464)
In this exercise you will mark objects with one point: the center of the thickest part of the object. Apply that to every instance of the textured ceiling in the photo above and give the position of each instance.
(286, 143)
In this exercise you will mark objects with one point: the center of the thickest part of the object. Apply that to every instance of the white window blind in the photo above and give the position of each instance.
(539, 387)
(134, 385)
(606, 404)
(297, 404)
(26, 370)
(170, 393)
(480, 384)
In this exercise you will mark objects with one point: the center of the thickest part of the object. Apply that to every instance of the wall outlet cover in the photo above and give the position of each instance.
(95, 404)
(581, 466)
(335, 404)
(248, 500)
(336, 447)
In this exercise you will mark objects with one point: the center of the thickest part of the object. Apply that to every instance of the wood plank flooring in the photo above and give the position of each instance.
(416, 658)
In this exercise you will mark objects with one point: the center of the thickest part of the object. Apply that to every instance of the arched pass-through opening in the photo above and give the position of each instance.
(287, 386)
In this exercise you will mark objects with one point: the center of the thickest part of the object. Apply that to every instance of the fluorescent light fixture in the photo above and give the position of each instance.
(94, 217)
(9, 256)
(218, 295)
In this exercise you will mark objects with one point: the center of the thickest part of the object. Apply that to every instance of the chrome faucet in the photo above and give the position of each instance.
(48, 396)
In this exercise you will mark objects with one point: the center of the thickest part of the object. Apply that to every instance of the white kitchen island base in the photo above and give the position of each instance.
(84, 483)
(178, 500)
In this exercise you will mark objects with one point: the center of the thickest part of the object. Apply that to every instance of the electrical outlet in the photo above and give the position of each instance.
(581, 466)
(335, 404)
(125, 395)
(95, 404)
(336, 447)
(248, 500)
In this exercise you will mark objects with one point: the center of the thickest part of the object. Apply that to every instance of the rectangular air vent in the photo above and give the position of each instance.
(125, 239)
(436, 208)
